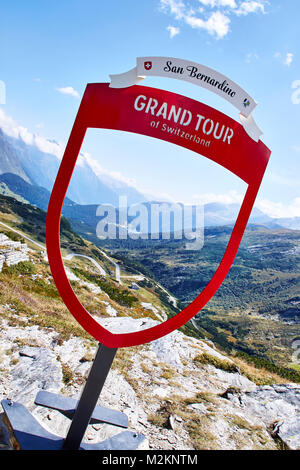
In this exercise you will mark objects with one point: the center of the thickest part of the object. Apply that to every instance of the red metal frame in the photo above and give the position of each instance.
(110, 108)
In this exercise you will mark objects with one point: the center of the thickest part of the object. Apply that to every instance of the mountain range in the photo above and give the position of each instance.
(28, 172)
(40, 169)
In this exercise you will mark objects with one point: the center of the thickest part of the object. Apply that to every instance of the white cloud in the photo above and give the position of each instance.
(173, 31)
(232, 197)
(251, 56)
(227, 3)
(268, 207)
(11, 128)
(289, 58)
(212, 16)
(177, 8)
(217, 24)
(278, 209)
(285, 60)
(219, 3)
(104, 173)
(251, 7)
(295, 98)
(68, 90)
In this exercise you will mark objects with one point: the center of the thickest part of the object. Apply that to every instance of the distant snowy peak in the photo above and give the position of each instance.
(37, 160)
(221, 214)
(9, 161)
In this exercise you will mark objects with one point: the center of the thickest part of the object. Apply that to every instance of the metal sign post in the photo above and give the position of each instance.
(93, 386)
(30, 435)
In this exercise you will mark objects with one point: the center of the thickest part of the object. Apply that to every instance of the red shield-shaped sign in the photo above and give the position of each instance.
(148, 65)
(131, 109)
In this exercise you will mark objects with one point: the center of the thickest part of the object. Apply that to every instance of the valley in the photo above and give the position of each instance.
(203, 387)
(256, 311)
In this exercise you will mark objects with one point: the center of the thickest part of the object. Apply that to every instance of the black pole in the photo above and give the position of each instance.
(89, 397)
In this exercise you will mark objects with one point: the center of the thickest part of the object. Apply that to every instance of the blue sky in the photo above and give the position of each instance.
(50, 50)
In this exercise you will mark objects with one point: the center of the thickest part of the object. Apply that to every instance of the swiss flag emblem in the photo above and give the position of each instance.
(148, 65)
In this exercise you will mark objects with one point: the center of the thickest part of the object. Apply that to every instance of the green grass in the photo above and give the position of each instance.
(120, 295)
(24, 267)
(295, 367)
(292, 374)
(222, 364)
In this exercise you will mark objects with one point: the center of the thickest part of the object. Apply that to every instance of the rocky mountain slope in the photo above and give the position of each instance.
(9, 161)
(180, 392)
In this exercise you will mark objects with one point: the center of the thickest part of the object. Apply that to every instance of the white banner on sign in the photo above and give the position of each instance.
(197, 74)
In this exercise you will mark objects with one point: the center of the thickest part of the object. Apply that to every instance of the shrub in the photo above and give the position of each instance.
(261, 363)
(67, 374)
(216, 362)
(120, 295)
(156, 419)
(24, 267)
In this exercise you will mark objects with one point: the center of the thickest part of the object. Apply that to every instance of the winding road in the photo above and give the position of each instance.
(23, 236)
(117, 267)
(71, 255)
(96, 264)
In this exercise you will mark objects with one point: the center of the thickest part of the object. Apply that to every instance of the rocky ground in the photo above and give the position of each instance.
(170, 394)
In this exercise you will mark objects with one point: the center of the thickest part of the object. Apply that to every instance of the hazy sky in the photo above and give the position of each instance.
(50, 50)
